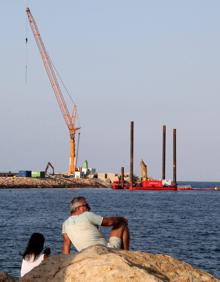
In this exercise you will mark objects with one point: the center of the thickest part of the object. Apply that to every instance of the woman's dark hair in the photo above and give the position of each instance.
(35, 245)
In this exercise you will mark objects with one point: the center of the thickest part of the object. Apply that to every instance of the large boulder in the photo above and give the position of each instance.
(99, 263)
(5, 277)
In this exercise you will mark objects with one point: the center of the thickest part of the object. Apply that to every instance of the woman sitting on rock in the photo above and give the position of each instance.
(33, 254)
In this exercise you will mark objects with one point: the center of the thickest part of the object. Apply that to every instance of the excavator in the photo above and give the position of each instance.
(143, 170)
(49, 165)
(70, 119)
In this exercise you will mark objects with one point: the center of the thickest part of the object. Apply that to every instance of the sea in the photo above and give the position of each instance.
(182, 224)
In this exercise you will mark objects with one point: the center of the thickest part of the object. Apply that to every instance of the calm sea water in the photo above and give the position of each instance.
(181, 224)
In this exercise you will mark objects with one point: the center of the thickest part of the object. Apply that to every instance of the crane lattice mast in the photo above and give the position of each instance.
(69, 119)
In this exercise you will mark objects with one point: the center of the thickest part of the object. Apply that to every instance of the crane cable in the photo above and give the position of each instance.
(26, 49)
(64, 86)
(26, 60)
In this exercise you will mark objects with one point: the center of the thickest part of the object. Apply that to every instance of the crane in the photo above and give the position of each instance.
(70, 120)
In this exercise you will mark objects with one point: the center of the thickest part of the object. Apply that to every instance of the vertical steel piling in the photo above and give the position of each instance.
(122, 176)
(174, 156)
(164, 153)
(131, 152)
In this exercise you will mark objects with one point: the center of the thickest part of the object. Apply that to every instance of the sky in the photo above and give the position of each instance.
(152, 62)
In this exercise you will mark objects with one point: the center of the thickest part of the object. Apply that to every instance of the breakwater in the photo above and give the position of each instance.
(51, 182)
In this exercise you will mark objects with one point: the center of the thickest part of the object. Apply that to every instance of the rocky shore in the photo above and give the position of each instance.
(101, 264)
(52, 182)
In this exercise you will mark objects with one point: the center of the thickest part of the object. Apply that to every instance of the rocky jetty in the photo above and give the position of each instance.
(51, 182)
(4, 277)
(101, 264)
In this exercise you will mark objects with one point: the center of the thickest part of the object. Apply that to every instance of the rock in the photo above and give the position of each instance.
(5, 277)
(51, 182)
(99, 263)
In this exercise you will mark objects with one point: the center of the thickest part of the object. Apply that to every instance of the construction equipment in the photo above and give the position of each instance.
(47, 167)
(143, 170)
(69, 119)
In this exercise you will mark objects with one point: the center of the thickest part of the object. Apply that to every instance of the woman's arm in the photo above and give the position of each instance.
(46, 252)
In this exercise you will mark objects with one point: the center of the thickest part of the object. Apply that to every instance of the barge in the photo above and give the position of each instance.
(148, 185)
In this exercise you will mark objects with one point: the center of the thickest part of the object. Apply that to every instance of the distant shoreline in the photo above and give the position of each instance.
(51, 182)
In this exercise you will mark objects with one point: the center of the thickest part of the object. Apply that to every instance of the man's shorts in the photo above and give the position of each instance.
(114, 242)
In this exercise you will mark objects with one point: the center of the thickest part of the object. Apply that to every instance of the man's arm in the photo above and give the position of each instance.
(114, 221)
(66, 244)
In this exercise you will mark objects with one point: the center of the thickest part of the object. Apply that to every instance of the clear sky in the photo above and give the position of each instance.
(153, 62)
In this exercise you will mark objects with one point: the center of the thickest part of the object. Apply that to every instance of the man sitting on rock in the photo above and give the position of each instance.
(82, 228)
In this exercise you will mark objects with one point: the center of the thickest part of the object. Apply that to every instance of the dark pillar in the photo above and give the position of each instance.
(174, 156)
(131, 152)
(164, 153)
(122, 176)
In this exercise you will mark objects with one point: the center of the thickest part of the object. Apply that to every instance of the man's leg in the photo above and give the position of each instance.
(121, 231)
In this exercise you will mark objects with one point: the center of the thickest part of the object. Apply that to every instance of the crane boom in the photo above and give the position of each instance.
(69, 119)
